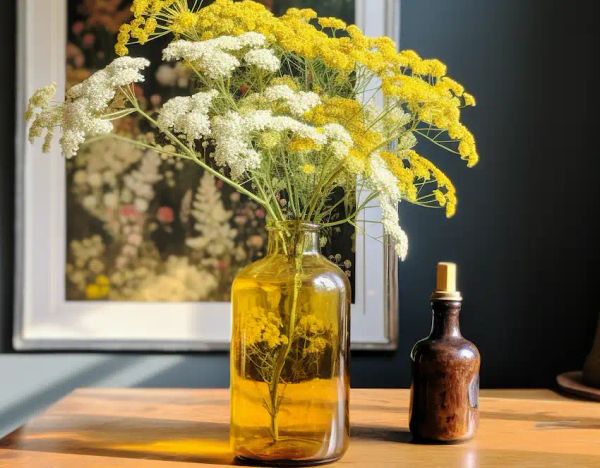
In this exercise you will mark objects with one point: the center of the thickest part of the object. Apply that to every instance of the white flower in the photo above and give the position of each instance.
(214, 57)
(339, 140)
(234, 43)
(336, 132)
(233, 148)
(391, 226)
(126, 70)
(263, 59)
(384, 182)
(298, 102)
(208, 59)
(233, 134)
(40, 100)
(188, 115)
(81, 115)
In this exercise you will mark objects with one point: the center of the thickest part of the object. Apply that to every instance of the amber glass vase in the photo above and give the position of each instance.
(289, 353)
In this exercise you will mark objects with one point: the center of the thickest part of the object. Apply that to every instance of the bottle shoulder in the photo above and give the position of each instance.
(279, 268)
(444, 348)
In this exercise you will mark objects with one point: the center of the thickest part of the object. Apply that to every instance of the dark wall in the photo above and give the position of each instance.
(7, 167)
(523, 234)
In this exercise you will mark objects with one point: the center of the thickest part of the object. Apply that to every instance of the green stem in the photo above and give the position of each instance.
(450, 150)
(274, 393)
(198, 161)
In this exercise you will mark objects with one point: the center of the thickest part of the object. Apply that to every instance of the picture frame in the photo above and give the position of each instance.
(45, 320)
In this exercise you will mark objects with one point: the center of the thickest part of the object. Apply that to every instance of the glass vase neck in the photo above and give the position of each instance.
(292, 238)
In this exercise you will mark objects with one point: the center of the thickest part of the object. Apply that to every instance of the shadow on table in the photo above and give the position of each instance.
(128, 437)
(385, 434)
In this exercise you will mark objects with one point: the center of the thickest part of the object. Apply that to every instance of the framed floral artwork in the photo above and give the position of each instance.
(120, 249)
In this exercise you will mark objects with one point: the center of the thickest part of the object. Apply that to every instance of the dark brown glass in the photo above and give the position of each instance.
(445, 380)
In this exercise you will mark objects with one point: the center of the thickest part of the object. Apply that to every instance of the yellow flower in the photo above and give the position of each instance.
(427, 171)
(302, 145)
(121, 50)
(331, 67)
(285, 80)
(333, 23)
(305, 13)
(404, 175)
(308, 168)
(469, 99)
(183, 21)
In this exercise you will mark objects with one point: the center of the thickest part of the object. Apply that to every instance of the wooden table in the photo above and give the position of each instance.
(176, 428)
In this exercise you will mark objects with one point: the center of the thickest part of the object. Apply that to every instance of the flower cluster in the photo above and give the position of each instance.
(86, 110)
(217, 58)
(188, 115)
(282, 110)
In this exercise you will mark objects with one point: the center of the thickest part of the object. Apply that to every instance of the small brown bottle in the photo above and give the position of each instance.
(445, 371)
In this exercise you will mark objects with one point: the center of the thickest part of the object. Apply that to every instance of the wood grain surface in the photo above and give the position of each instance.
(174, 428)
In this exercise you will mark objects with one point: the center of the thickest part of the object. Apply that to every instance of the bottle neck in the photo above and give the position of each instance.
(292, 238)
(446, 321)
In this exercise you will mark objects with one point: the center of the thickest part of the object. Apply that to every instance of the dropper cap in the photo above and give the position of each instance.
(445, 288)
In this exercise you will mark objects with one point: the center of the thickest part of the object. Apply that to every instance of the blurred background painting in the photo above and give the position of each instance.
(144, 228)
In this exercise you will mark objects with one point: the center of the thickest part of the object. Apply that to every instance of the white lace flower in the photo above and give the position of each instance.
(298, 102)
(233, 134)
(233, 43)
(81, 114)
(384, 182)
(188, 115)
(336, 132)
(233, 147)
(40, 100)
(264, 59)
(214, 57)
(391, 226)
(205, 57)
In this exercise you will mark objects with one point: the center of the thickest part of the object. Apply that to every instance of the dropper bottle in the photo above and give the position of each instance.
(445, 370)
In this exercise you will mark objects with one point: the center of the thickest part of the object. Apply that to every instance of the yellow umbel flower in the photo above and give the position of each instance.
(404, 175)
(333, 23)
(183, 21)
(425, 170)
(308, 168)
(302, 145)
(155, 18)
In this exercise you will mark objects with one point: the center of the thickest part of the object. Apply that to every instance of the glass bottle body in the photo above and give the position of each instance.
(445, 380)
(289, 353)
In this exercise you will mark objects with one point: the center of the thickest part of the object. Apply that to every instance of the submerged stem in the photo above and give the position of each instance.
(274, 392)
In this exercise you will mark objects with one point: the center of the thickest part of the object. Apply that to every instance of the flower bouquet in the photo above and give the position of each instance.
(283, 111)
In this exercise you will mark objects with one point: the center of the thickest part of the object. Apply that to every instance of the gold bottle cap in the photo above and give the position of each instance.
(445, 288)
